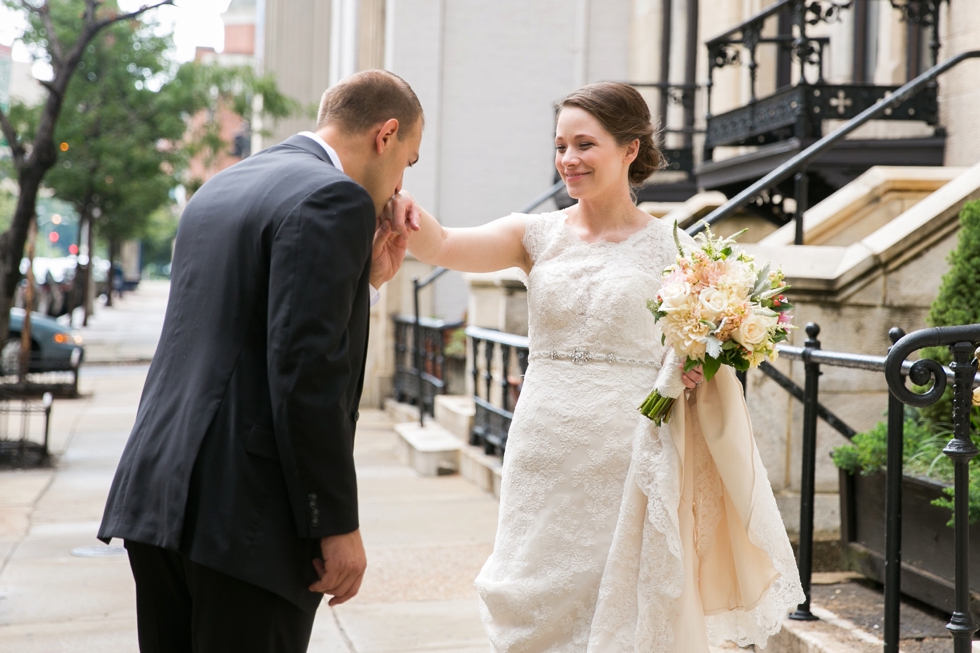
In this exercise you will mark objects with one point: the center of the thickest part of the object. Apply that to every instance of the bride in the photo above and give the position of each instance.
(615, 535)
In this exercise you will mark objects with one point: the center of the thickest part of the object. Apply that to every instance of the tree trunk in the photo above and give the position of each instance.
(25, 330)
(12, 245)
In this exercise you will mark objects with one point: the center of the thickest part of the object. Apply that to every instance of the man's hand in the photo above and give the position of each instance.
(387, 255)
(342, 568)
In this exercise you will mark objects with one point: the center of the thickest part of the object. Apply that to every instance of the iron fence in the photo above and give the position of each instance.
(491, 421)
(962, 342)
(420, 360)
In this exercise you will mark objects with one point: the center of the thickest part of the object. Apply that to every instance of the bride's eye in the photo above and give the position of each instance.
(583, 146)
(560, 148)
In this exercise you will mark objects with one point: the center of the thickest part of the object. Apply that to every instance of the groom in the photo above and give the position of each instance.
(236, 494)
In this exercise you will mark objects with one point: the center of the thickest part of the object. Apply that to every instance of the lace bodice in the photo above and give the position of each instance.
(590, 296)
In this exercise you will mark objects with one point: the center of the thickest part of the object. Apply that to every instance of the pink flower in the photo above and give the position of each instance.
(784, 318)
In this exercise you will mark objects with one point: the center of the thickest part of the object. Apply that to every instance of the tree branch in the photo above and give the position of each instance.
(133, 14)
(16, 149)
(43, 11)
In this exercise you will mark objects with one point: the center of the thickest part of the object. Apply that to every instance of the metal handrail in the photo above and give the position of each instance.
(499, 337)
(761, 16)
(853, 361)
(428, 322)
(799, 162)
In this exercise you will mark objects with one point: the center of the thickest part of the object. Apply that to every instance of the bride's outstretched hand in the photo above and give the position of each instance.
(402, 214)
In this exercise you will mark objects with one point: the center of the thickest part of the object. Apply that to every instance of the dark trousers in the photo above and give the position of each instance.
(184, 607)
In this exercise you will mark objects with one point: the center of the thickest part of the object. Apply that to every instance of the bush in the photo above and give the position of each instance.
(927, 431)
(958, 301)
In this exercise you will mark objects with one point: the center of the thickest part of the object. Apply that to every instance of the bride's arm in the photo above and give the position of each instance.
(494, 246)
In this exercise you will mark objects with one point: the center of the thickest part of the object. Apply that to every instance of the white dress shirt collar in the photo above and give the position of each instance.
(332, 153)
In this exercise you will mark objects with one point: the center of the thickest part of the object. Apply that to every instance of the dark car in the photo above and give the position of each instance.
(54, 348)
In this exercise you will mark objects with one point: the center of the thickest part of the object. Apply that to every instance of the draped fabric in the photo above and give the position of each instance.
(616, 535)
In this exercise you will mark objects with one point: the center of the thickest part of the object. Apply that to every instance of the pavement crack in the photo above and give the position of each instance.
(343, 633)
(30, 523)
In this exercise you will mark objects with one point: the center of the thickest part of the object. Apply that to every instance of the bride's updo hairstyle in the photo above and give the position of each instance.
(623, 112)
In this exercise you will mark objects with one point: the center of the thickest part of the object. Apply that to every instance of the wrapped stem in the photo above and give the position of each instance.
(669, 386)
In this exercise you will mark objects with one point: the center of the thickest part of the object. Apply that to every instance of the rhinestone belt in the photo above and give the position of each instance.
(582, 356)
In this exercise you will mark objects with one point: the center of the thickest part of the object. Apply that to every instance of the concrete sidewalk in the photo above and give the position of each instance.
(128, 331)
(426, 539)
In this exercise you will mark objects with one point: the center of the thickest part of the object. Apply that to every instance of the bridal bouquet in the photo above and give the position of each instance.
(715, 308)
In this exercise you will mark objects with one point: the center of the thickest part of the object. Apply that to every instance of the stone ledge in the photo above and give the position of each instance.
(400, 412)
(455, 413)
(430, 450)
(482, 470)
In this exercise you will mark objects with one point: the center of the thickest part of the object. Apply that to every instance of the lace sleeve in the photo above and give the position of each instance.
(536, 229)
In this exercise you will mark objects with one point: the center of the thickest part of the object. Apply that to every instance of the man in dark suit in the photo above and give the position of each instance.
(236, 494)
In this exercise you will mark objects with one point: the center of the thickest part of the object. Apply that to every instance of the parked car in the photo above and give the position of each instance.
(54, 348)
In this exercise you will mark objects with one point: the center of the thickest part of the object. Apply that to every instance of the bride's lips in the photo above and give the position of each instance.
(575, 176)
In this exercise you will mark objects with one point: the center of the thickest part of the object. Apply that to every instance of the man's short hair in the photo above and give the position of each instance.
(368, 98)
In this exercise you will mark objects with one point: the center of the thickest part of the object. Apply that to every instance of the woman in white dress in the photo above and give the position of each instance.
(615, 535)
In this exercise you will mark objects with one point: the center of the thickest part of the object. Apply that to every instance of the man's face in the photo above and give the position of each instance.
(399, 154)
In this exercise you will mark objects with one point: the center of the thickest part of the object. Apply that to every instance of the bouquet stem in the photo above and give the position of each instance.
(657, 408)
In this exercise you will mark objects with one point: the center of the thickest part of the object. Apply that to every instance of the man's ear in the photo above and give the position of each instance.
(386, 134)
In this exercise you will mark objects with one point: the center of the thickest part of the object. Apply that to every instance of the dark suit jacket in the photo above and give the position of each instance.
(242, 452)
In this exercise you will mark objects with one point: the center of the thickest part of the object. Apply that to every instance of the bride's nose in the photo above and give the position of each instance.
(569, 160)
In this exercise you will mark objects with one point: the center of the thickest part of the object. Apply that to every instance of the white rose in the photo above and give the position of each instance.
(752, 331)
(713, 302)
(674, 296)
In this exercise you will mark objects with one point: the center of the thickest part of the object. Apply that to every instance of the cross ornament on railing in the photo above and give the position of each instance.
(841, 102)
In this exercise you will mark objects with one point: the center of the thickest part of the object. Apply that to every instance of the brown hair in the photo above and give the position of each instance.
(368, 98)
(624, 113)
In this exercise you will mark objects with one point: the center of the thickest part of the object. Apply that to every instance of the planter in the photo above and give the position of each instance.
(927, 542)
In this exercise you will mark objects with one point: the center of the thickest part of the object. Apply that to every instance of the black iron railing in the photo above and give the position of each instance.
(420, 360)
(797, 166)
(799, 110)
(962, 341)
(491, 422)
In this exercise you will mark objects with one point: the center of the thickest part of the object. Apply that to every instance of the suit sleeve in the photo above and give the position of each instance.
(320, 257)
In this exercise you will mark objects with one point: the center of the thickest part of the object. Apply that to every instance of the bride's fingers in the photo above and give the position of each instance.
(415, 217)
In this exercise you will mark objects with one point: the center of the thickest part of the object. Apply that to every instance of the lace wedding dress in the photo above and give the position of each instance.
(615, 535)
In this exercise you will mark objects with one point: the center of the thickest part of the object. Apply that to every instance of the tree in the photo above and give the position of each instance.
(125, 145)
(59, 32)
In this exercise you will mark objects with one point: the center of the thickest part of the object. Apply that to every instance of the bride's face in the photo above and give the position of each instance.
(588, 158)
